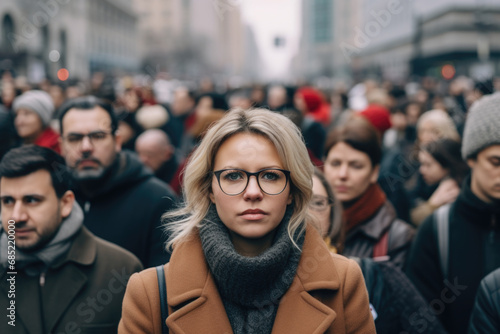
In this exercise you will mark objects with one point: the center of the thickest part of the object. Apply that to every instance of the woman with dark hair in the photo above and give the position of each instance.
(397, 306)
(353, 153)
(442, 171)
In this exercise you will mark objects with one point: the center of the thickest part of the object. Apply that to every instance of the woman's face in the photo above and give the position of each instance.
(251, 216)
(28, 124)
(349, 172)
(317, 207)
(432, 172)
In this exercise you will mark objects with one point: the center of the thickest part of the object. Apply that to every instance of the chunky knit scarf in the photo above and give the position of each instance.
(250, 287)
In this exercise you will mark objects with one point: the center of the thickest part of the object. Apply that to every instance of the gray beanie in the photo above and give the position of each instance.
(482, 126)
(37, 101)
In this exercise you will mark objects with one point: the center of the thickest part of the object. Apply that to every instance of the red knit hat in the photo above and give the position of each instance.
(311, 97)
(379, 116)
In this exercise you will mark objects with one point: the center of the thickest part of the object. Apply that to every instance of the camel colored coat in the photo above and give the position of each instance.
(328, 295)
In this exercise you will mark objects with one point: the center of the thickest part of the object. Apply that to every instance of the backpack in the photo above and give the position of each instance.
(441, 225)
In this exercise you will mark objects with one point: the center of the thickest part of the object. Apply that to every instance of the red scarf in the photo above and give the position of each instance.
(365, 207)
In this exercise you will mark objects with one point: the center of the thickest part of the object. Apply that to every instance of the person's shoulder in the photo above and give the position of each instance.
(491, 283)
(343, 265)
(110, 252)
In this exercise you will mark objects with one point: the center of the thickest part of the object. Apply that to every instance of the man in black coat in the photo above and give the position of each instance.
(473, 231)
(122, 200)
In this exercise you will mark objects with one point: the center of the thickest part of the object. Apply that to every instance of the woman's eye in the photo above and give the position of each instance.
(270, 176)
(233, 176)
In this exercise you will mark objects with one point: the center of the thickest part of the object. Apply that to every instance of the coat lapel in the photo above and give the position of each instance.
(69, 279)
(299, 311)
(195, 305)
(59, 291)
(27, 302)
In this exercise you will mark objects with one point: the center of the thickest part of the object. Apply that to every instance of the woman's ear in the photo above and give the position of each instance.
(212, 197)
(375, 172)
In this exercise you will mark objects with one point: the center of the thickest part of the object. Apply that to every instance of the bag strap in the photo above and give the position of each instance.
(162, 286)
(381, 248)
(442, 229)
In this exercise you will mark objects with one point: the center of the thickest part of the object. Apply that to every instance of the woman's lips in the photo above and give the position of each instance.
(253, 214)
(341, 189)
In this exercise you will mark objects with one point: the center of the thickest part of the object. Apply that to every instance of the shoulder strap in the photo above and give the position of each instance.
(442, 229)
(382, 246)
(162, 286)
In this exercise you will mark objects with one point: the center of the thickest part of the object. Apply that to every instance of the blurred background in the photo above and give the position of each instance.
(237, 42)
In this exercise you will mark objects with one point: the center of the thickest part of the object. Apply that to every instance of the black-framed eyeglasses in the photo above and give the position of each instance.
(94, 137)
(272, 181)
(320, 203)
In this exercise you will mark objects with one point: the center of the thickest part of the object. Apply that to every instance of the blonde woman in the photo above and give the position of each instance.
(244, 258)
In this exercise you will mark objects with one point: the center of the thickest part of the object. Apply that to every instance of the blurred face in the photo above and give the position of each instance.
(28, 124)
(432, 172)
(349, 172)
(251, 216)
(32, 203)
(317, 207)
(485, 175)
(91, 155)
(152, 154)
(427, 132)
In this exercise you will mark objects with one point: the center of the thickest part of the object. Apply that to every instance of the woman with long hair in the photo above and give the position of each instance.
(245, 259)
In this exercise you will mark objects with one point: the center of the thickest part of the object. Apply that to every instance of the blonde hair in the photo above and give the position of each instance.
(286, 138)
(442, 123)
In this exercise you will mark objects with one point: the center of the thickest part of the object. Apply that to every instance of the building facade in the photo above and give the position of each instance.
(40, 37)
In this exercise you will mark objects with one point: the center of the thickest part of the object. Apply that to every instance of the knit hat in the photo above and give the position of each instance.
(37, 101)
(378, 116)
(482, 125)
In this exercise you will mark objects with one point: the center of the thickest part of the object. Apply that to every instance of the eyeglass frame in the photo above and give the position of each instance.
(88, 135)
(217, 174)
(329, 202)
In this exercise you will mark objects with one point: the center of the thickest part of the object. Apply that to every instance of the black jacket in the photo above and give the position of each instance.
(397, 304)
(126, 209)
(485, 318)
(474, 251)
(361, 240)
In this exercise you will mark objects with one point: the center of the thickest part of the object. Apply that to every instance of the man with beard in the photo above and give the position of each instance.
(56, 276)
(122, 200)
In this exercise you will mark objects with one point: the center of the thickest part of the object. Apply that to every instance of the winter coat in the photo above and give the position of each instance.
(327, 296)
(396, 304)
(361, 240)
(485, 318)
(474, 251)
(82, 293)
(126, 209)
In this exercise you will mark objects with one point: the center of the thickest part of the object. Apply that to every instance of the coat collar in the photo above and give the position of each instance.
(193, 295)
(60, 288)
(376, 226)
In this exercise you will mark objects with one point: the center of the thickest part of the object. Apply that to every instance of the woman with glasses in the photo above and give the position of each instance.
(245, 259)
(397, 306)
(353, 152)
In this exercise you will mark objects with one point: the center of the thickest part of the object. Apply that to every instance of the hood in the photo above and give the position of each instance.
(126, 170)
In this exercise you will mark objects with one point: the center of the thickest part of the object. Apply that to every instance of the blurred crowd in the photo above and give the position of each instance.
(410, 135)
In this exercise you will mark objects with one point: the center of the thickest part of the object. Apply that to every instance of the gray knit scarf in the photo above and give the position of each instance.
(33, 263)
(250, 287)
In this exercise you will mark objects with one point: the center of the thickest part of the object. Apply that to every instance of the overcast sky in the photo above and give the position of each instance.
(270, 19)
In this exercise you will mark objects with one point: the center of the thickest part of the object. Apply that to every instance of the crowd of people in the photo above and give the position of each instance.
(373, 208)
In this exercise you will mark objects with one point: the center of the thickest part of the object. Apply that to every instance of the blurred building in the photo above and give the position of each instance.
(40, 37)
(193, 38)
(393, 39)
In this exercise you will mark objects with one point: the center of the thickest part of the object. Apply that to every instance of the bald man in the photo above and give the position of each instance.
(156, 152)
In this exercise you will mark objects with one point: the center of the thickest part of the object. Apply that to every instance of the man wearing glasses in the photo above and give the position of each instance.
(122, 200)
